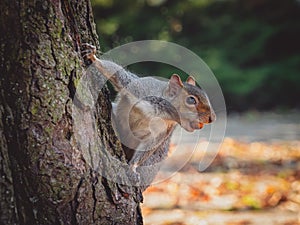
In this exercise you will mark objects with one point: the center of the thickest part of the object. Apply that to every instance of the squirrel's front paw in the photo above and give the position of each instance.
(88, 52)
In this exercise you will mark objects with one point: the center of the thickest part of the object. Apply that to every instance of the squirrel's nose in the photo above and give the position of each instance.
(212, 117)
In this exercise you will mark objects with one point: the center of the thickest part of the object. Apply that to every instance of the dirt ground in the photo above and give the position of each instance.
(254, 178)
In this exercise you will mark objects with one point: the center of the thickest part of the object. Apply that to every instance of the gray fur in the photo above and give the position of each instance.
(147, 111)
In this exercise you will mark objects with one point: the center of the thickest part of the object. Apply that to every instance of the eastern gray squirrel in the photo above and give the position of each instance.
(147, 111)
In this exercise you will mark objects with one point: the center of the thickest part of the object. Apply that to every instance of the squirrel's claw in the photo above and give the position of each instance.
(88, 52)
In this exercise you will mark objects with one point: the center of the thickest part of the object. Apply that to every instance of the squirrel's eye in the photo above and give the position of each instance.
(190, 100)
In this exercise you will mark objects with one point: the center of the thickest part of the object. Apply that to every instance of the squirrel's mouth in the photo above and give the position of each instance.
(197, 125)
(191, 126)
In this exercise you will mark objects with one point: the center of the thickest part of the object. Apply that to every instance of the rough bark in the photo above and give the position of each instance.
(44, 177)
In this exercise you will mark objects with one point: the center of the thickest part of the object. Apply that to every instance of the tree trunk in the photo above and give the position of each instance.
(45, 178)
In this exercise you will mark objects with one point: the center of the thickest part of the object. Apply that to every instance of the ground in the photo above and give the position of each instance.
(254, 178)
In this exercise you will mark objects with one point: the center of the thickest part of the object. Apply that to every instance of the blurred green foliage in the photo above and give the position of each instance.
(252, 46)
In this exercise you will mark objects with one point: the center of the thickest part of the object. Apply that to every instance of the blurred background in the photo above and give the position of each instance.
(252, 46)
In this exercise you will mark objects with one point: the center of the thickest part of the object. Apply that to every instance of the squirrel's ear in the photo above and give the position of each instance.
(191, 80)
(176, 80)
(174, 85)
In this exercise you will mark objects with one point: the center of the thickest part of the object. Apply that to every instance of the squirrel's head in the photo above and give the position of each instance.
(191, 103)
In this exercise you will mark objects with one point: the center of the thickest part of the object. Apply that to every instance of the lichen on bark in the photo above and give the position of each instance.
(44, 177)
